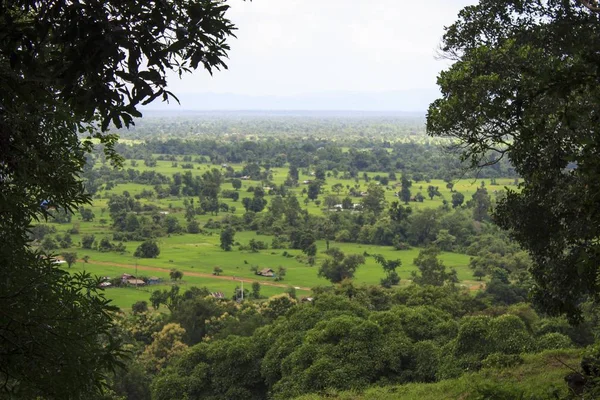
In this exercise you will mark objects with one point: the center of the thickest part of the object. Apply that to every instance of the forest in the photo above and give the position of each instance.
(296, 255)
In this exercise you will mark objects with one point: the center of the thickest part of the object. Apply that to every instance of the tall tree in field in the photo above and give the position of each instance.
(69, 70)
(227, 237)
(374, 201)
(70, 258)
(389, 266)
(405, 190)
(432, 270)
(339, 266)
(524, 85)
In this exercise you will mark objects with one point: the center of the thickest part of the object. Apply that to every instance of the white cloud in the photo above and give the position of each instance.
(287, 47)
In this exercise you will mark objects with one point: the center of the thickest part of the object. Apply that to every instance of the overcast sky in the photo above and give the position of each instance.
(291, 47)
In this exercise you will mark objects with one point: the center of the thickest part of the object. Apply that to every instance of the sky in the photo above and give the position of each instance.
(299, 47)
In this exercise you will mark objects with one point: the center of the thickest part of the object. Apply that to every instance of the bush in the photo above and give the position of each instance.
(552, 341)
(139, 307)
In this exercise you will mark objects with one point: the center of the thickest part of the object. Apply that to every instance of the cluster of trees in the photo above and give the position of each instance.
(347, 337)
(424, 162)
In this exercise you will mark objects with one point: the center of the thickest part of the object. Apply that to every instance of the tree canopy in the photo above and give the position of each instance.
(70, 69)
(525, 86)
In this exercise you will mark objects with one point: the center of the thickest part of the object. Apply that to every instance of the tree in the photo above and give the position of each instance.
(431, 270)
(320, 173)
(331, 200)
(347, 203)
(165, 345)
(339, 266)
(193, 227)
(158, 297)
(444, 240)
(70, 258)
(236, 183)
(49, 244)
(337, 188)
(86, 214)
(405, 190)
(482, 203)
(433, 191)
(389, 266)
(314, 188)
(457, 199)
(256, 290)
(56, 85)
(148, 249)
(87, 241)
(496, 106)
(374, 201)
(227, 238)
(139, 307)
(281, 271)
(172, 224)
(217, 271)
(175, 274)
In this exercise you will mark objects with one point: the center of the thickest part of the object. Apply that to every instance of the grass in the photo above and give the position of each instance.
(124, 297)
(201, 253)
(541, 376)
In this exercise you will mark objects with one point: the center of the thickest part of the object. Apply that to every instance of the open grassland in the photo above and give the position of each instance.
(541, 376)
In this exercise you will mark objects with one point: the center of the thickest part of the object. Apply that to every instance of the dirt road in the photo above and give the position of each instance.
(198, 274)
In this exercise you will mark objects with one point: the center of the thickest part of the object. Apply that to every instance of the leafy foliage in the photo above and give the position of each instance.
(66, 69)
(543, 119)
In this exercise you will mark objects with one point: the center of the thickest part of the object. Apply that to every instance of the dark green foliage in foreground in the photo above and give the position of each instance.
(350, 338)
(69, 69)
(543, 120)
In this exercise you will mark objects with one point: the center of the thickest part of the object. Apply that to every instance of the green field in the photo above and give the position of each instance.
(201, 253)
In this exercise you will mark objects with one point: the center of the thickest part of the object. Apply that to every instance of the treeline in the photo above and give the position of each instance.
(424, 160)
(241, 126)
(346, 337)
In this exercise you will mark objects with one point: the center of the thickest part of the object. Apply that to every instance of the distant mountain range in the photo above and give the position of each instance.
(410, 101)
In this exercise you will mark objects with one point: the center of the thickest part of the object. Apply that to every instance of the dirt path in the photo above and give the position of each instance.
(198, 274)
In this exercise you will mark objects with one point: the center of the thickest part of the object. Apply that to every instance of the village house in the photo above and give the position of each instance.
(128, 279)
(268, 272)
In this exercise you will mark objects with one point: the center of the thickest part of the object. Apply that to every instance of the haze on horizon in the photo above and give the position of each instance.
(325, 55)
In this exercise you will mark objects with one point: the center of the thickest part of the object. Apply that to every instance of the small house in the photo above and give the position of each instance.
(218, 295)
(126, 277)
(135, 282)
(268, 272)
